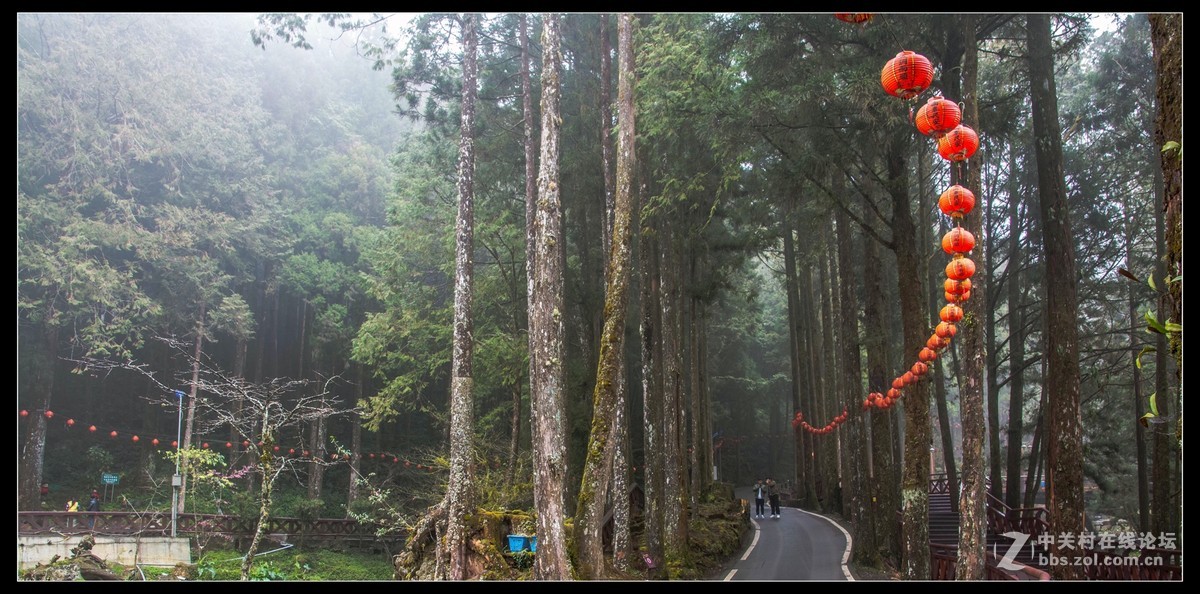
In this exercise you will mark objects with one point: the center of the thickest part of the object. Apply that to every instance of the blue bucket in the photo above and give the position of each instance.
(518, 542)
(533, 543)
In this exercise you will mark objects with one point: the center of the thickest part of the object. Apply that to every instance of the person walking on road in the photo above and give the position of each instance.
(760, 495)
(773, 494)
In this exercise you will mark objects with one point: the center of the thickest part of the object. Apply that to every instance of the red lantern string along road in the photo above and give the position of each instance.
(937, 117)
(798, 421)
(906, 75)
(856, 18)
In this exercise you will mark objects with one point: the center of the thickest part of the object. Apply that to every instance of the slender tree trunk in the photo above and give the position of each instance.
(652, 400)
(191, 409)
(1016, 345)
(972, 498)
(530, 146)
(1143, 523)
(789, 258)
(355, 439)
(855, 444)
(674, 488)
(1033, 481)
(883, 489)
(1160, 472)
(316, 474)
(810, 395)
(267, 467)
(1064, 472)
(589, 515)
(830, 378)
(459, 496)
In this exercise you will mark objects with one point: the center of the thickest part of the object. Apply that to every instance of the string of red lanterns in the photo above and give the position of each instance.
(906, 76)
(156, 442)
(855, 18)
(799, 422)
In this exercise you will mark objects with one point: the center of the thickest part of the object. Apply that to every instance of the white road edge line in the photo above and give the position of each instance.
(752, 542)
(849, 543)
(730, 576)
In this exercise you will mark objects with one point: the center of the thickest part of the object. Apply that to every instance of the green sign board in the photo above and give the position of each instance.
(109, 478)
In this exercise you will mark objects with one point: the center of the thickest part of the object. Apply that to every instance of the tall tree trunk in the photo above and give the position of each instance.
(830, 378)
(674, 488)
(1016, 345)
(914, 493)
(459, 496)
(589, 514)
(652, 400)
(792, 286)
(1033, 480)
(547, 330)
(855, 444)
(810, 397)
(316, 474)
(1064, 471)
(355, 438)
(972, 497)
(1143, 523)
(1166, 37)
(884, 490)
(530, 146)
(697, 474)
(191, 409)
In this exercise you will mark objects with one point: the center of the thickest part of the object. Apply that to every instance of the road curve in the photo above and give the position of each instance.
(796, 546)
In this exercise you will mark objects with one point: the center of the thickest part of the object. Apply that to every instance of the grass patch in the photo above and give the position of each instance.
(296, 564)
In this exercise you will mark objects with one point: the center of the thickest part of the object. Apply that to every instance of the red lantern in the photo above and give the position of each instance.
(135, 439)
(49, 414)
(229, 444)
(883, 403)
(937, 117)
(154, 442)
(174, 444)
(408, 463)
(854, 17)
(204, 445)
(92, 428)
(260, 443)
(70, 422)
(276, 448)
(951, 314)
(371, 456)
(291, 451)
(113, 435)
(956, 201)
(958, 144)
(305, 453)
(927, 355)
(906, 75)
(934, 342)
(245, 443)
(24, 413)
(961, 298)
(946, 330)
(960, 268)
(958, 241)
(909, 378)
(893, 394)
(955, 287)
(898, 383)
(866, 404)
(395, 459)
(919, 369)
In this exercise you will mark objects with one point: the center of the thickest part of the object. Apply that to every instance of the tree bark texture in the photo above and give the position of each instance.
(1065, 432)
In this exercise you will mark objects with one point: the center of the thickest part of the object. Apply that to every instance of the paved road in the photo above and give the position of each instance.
(795, 546)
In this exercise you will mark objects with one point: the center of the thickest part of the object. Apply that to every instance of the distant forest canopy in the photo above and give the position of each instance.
(290, 213)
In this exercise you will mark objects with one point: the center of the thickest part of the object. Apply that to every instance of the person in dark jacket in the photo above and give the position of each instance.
(773, 494)
(93, 506)
(760, 496)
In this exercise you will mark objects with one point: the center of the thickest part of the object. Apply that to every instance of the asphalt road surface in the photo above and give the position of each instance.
(795, 546)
